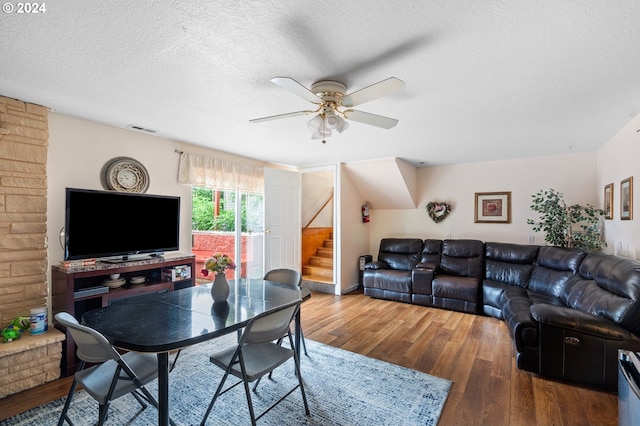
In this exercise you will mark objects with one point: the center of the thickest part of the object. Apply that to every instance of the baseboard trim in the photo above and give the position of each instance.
(350, 288)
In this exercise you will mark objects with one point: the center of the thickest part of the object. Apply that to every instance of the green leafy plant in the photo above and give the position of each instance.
(574, 226)
(203, 209)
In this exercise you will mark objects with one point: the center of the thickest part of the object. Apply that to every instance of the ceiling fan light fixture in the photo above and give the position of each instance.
(335, 122)
(342, 124)
(324, 123)
(315, 124)
(331, 120)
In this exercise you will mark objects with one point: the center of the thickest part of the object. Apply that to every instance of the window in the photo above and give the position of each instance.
(217, 228)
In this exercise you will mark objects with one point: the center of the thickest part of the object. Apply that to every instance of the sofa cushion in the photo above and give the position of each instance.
(608, 287)
(431, 250)
(572, 319)
(554, 266)
(492, 298)
(462, 258)
(400, 253)
(505, 265)
(388, 279)
(517, 315)
(509, 263)
(459, 288)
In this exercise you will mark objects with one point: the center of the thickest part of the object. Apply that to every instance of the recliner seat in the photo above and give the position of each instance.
(390, 276)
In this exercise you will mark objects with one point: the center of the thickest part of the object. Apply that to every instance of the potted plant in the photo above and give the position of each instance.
(574, 226)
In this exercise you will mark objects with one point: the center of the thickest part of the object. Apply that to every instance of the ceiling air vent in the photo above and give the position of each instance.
(141, 129)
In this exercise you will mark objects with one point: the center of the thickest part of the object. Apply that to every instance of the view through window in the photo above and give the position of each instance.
(218, 228)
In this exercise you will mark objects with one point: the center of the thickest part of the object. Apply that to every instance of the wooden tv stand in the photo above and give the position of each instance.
(67, 286)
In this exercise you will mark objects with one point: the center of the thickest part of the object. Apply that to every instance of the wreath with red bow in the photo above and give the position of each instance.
(438, 211)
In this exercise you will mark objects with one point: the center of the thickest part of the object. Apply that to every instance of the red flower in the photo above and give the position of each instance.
(205, 272)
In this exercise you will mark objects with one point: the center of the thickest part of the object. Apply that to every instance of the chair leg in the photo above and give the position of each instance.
(215, 396)
(255, 386)
(249, 402)
(67, 404)
(140, 399)
(246, 391)
(103, 410)
(304, 395)
(175, 360)
(304, 344)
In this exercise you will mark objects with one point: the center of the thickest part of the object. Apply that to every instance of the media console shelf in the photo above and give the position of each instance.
(81, 289)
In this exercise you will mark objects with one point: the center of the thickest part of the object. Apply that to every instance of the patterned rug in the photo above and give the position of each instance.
(343, 388)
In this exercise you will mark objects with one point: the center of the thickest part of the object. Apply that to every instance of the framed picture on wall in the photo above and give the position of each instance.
(608, 201)
(493, 207)
(626, 199)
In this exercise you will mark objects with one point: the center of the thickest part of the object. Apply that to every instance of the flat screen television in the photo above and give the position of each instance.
(118, 225)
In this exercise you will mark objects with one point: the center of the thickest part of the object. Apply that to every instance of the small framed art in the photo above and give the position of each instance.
(493, 207)
(608, 201)
(626, 199)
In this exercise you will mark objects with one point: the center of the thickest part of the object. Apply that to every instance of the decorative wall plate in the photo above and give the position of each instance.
(124, 174)
(438, 211)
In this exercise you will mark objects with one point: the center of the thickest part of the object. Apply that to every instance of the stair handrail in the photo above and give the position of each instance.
(319, 211)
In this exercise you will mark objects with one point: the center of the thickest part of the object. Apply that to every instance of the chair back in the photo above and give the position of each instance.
(284, 276)
(270, 325)
(92, 346)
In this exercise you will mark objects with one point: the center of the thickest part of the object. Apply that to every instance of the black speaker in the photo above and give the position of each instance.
(363, 260)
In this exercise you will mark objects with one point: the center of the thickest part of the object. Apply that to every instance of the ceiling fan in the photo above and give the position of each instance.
(334, 105)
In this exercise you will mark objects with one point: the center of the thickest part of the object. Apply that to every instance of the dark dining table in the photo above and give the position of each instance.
(164, 322)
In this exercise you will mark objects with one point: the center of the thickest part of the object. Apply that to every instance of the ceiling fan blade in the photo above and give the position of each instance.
(371, 119)
(297, 89)
(279, 116)
(375, 91)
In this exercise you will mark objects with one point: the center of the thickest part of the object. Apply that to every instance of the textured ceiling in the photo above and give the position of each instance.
(484, 79)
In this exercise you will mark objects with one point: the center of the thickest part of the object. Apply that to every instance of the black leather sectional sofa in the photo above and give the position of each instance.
(568, 311)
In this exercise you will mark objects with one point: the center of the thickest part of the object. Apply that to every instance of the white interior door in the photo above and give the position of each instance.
(282, 219)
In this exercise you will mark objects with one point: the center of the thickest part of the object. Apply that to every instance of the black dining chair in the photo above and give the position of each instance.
(112, 376)
(256, 354)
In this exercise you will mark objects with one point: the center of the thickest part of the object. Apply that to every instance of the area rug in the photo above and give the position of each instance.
(343, 388)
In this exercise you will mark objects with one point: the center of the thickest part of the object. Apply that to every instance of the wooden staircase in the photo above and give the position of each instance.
(320, 265)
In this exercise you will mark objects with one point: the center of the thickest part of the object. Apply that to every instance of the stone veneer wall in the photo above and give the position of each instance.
(24, 135)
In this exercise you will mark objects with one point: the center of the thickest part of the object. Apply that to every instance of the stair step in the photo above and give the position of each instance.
(316, 283)
(317, 271)
(324, 252)
(321, 261)
(327, 243)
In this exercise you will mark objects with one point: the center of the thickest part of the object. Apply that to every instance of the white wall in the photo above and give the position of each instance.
(618, 160)
(354, 235)
(572, 174)
(317, 187)
(77, 151)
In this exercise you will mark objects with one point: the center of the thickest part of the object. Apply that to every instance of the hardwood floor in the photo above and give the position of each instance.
(472, 351)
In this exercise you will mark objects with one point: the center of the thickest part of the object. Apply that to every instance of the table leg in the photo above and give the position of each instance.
(163, 388)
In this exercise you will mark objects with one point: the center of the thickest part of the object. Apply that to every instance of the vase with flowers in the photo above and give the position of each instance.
(219, 264)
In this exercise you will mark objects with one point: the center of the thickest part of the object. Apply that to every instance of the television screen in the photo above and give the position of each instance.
(101, 224)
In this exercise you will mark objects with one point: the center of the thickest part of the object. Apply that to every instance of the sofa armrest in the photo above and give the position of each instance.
(376, 264)
(421, 279)
(572, 319)
(427, 265)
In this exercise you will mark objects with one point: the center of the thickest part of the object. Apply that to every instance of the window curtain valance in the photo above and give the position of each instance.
(205, 171)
